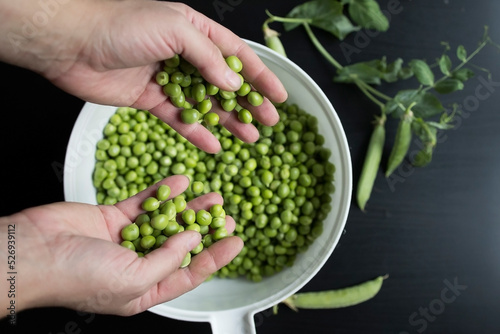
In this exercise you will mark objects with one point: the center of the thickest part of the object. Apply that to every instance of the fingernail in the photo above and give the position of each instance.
(233, 79)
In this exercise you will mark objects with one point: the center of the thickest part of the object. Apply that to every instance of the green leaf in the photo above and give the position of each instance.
(324, 14)
(367, 14)
(440, 126)
(427, 105)
(462, 53)
(423, 131)
(391, 74)
(362, 71)
(427, 135)
(448, 85)
(405, 73)
(445, 64)
(371, 72)
(400, 102)
(422, 71)
(463, 74)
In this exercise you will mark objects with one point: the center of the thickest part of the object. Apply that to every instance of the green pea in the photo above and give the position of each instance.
(203, 217)
(146, 229)
(128, 244)
(212, 89)
(179, 101)
(190, 116)
(217, 211)
(142, 218)
(160, 240)
(159, 222)
(220, 233)
(245, 116)
(244, 89)
(211, 118)
(163, 192)
(130, 232)
(197, 187)
(189, 216)
(198, 92)
(218, 222)
(255, 98)
(180, 203)
(172, 62)
(186, 261)
(226, 95)
(193, 227)
(228, 104)
(204, 106)
(177, 77)
(150, 204)
(148, 241)
(171, 228)
(234, 63)
(197, 249)
(207, 240)
(172, 89)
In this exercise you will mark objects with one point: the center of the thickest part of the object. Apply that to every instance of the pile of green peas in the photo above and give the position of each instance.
(160, 221)
(182, 83)
(278, 189)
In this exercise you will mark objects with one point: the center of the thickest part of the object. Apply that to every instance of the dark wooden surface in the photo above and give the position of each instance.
(435, 230)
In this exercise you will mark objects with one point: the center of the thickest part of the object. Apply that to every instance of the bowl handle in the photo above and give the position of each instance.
(233, 322)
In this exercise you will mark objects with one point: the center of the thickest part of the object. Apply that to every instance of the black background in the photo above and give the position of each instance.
(430, 228)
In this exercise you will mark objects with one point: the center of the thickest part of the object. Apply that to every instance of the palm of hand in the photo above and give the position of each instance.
(89, 271)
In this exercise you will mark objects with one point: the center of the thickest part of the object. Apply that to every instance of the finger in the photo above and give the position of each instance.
(246, 132)
(254, 70)
(205, 201)
(131, 207)
(165, 260)
(195, 133)
(201, 267)
(266, 113)
(195, 45)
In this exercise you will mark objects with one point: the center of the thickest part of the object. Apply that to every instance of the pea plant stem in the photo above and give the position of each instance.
(368, 90)
(462, 64)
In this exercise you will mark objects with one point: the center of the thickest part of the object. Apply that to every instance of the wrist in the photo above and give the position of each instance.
(20, 286)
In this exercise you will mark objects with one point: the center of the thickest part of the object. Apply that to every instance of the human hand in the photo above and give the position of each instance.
(72, 257)
(108, 52)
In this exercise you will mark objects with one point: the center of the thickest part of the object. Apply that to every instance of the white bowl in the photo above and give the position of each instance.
(230, 304)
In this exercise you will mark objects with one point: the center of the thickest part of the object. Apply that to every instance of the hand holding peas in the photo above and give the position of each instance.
(72, 256)
(116, 64)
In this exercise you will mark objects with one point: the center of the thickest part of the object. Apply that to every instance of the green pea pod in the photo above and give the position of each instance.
(401, 143)
(372, 162)
(338, 298)
(271, 37)
(424, 156)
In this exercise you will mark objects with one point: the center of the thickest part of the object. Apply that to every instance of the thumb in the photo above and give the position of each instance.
(165, 260)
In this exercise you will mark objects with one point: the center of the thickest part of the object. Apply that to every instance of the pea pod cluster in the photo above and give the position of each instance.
(187, 89)
(164, 218)
(278, 189)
